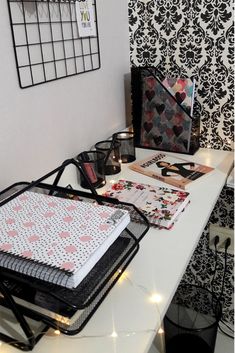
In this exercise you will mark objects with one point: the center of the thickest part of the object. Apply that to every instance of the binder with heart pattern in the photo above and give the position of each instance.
(183, 90)
(162, 112)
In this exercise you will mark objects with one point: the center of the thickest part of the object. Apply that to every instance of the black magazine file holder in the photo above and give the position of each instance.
(93, 289)
(159, 121)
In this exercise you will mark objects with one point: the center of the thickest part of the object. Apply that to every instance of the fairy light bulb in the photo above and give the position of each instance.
(160, 331)
(114, 334)
(57, 332)
(123, 276)
(156, 298)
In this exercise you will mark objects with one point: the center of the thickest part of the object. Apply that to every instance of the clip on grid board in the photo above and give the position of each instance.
(47, 43)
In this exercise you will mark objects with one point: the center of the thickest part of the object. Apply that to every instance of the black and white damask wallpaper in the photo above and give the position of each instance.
(195, 38)
(201, 268)
(191, 38)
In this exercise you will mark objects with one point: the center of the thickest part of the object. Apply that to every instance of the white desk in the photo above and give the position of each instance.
(127, 320)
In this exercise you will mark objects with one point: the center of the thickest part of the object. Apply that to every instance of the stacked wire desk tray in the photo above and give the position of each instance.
(89, 294)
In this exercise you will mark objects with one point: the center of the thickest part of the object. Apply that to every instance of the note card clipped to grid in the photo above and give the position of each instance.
(53, 39)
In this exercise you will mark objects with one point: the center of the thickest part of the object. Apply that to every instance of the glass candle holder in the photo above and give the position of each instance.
(127, 147)
(92, 163)
(112, 156)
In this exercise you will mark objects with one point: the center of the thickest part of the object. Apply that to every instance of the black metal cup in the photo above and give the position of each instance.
(127, 147)
(92, 163)
(112, 157)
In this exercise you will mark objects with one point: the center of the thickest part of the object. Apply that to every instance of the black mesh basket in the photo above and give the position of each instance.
(191, 321)
(83, 300)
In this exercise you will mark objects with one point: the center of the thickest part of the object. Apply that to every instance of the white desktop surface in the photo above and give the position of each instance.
(127, 320)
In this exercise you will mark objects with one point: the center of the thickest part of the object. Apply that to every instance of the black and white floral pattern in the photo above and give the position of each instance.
(195, 38)
(200, 270)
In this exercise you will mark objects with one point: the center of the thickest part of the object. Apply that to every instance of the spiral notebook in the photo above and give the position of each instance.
(56, 240)
(57, 304)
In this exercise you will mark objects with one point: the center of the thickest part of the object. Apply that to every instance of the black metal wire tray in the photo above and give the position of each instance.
(94, 288)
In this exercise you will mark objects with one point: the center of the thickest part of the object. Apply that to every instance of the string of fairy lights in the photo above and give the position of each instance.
(153, 298)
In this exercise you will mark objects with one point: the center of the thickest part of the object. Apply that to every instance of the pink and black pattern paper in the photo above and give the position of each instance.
(58, 232)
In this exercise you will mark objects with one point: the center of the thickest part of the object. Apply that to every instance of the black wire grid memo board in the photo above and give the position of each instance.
(46, 41)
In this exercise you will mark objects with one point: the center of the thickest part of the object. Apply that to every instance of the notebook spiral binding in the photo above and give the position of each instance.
(94, 287)
(20, 265)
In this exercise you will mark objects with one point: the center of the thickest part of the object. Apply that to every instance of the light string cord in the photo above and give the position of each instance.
(222, 288)
(224, 274)
(118, 333)
(215, 268)
(127, 333)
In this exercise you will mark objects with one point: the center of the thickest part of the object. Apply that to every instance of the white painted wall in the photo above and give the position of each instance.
(43, 125)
